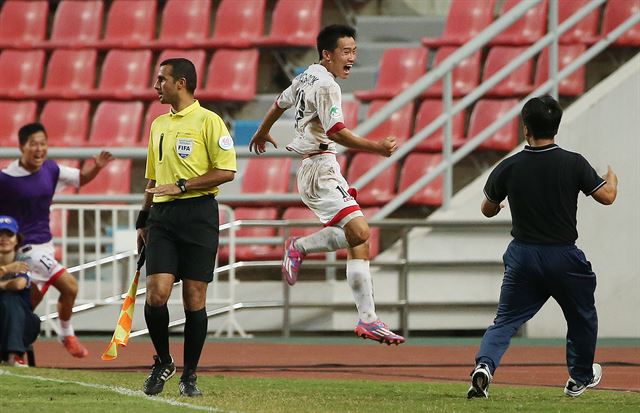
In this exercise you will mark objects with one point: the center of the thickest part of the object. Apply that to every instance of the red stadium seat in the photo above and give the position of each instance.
(466, 19)
(154, 110)
(266, 176)
(342, 162)
(14, 116)
(116, 124)
(70, 74)
(254, 252)
(586, 30)
(399, 125)
(76, 24)
(239, 24)
(21, 80)
(67, 122)
(350, 109)
(466, 75)
(616, 12)
(115, 178)
(381, 189)
(574, 84)
(484, 114)
(185, 24)
(130, 24)
(232, 76)
(429, 110)
(415, 167)
(527, 29)
(294, 23)
(23, 24)
(399, 69)
(518, 82)
(125, 75)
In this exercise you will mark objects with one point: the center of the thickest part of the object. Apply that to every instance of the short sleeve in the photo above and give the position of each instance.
(222, 154)
(69, 176)
(286, 98)
(496, 189)
(588, 179)
(150, 170)
(329, 108)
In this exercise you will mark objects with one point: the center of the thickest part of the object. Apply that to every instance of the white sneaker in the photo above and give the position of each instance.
(575, 389)
(480, 379)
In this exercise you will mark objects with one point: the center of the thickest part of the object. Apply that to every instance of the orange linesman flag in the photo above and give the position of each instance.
(123, 327)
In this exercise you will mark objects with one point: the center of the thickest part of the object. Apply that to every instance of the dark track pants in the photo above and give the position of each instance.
(533, 273)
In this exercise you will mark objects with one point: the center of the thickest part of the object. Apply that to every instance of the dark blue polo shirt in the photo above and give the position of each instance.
(542, 184)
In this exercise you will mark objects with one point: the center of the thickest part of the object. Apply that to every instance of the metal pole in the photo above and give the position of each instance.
(403, 284)
(553, 48)
(447, 145)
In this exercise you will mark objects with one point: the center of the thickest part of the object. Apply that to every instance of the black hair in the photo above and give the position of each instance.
(183, 68)
(542, 115)
(28, 130)
(328, 37)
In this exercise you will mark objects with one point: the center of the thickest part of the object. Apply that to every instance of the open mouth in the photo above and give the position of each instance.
(347, 68)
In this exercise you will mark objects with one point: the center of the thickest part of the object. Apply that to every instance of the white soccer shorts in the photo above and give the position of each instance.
(325, 191)
(44, 269)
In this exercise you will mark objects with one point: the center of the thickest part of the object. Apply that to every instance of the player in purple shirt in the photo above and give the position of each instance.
(27, 186)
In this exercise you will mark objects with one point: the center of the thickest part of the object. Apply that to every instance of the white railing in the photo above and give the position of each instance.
(104, 250)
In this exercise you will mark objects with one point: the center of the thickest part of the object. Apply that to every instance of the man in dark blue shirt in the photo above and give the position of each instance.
(542, 183)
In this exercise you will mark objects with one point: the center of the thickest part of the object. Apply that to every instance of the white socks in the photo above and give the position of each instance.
(66, 329)
(359, 279)
(327, 239)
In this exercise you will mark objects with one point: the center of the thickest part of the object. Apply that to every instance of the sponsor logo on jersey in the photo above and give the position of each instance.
(184, 147)
(225, 142)
(335, 112)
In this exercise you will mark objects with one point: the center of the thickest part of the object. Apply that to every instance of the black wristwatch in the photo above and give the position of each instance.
(182, 184)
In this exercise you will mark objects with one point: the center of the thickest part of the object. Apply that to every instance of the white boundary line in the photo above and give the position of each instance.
(116, 389)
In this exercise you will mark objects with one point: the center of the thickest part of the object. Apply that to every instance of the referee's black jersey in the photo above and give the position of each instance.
(542, 184)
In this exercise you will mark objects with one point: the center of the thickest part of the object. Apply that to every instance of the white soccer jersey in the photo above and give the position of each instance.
(318, 103)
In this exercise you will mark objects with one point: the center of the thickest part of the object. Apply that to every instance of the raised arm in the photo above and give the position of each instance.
(89, 172)
(258, 143)
(607, 193)
(345, 137)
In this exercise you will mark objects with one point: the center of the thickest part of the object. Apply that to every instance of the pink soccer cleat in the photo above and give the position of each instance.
(292, 261)
(378, 331)
(74, 347)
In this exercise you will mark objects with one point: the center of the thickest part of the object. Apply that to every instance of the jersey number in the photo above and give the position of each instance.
(300, 107)
(344, 193)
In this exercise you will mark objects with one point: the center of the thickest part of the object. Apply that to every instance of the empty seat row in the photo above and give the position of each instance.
(265, 176)
(400, 68)
(67, 122)
(183, 24)
(257, 251)
(467, 18)
(125, 74)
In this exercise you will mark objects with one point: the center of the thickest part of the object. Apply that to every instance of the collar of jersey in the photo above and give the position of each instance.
(195, 105)
(541, 148)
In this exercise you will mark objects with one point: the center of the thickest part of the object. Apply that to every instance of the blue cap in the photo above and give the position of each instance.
(8, 223)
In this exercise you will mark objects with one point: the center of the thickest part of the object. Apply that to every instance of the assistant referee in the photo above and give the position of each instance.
(190, 154)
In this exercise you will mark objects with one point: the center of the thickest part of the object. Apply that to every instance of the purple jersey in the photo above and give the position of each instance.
(28, 197)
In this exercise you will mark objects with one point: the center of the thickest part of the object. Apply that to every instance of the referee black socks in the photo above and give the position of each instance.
(195, 333)
(157, 319)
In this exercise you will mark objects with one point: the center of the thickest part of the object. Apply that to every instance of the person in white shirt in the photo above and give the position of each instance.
(317, 100)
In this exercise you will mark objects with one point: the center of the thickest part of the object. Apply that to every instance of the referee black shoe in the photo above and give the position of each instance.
(160, 373)
(189, 386)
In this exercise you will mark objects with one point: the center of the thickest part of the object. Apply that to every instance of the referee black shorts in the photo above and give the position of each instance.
(183, 238)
